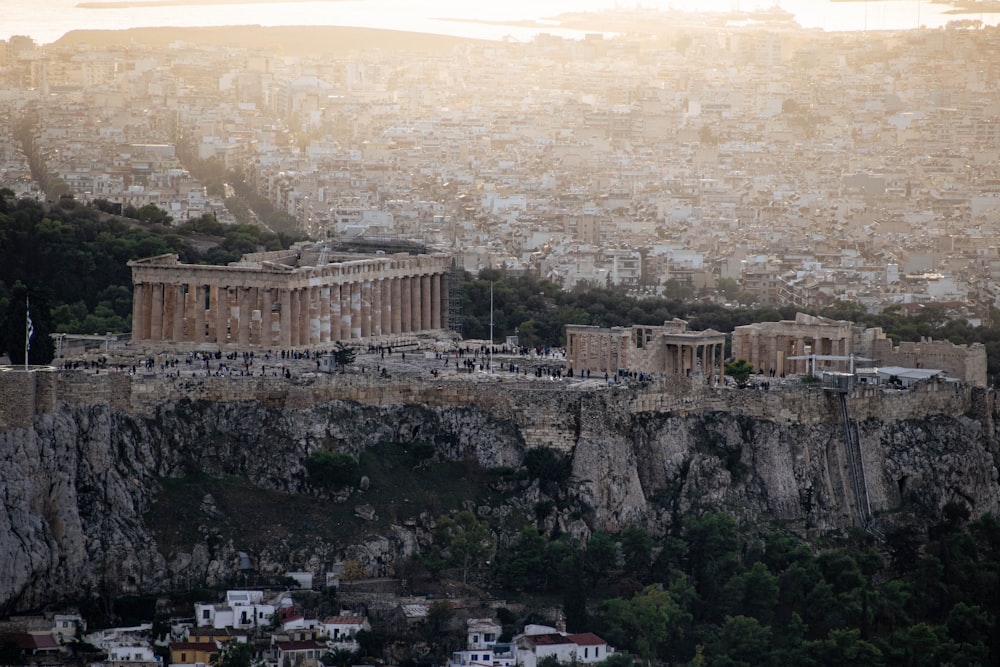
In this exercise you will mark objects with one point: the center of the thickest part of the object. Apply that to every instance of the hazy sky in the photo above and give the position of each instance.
(47, 20)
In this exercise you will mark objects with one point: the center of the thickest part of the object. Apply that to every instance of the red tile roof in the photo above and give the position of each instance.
(31, 642)
(550, 639)
(307, 645)
(194, 646)
(344, 620)
(586, 639)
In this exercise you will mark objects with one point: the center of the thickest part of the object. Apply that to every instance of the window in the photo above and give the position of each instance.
(597, 651)
(205, 614)
(475, 639)
(184, 657)
(488, 637)
(586, 652)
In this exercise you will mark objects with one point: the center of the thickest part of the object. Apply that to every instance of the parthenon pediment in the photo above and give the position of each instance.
(167, 259)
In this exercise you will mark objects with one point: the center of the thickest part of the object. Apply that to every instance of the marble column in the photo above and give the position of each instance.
(198, 335)
(242, 319)
(138, 310)
(266, 317)
(386, 311)
(426, 307)
(366, 308)
(436, 302)
(405, 294)
(345, 311)
(356, 310)
(177, 335)
(376, 308)
(304, 319)
(324, 314)
(396, 309)
(221, 314)
(168, 311)
(315, 319)
(335, 334)
(416, 321)
(722, 363)
(284, 318)
(156, 313)
(295, 320)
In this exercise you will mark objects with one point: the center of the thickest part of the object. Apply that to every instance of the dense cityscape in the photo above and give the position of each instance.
(214, 489)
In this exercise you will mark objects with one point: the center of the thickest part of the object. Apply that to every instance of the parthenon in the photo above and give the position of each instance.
(301, 297)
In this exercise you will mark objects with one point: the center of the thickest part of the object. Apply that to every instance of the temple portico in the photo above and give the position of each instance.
(287, 299)
(669, 349)
(772, 346)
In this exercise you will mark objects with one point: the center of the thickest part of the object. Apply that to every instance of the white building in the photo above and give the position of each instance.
(482, 648)
(541, 641)
(342, 629)
(242, 609)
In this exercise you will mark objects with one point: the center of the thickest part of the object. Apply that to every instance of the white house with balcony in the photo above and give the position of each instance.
(242, 609)
(482, 646)
(341, 630)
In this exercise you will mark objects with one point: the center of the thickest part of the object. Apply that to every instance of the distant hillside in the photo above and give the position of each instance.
(287, 40)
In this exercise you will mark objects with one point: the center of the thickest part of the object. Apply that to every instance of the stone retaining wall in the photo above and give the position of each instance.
(548, 413)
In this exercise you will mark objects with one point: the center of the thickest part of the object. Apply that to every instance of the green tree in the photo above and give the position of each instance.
(344, 355)
(440, 617)
(637, 551)
(740, 642)
(645, 623)
(600, 558)
(728, 287)
(463, 541)
(753, 593)
(740, 370)
(551, 467)
(712, 556)
(617, 660)
(235, 654)
(522, 564)
(331, 470)
(154, 214)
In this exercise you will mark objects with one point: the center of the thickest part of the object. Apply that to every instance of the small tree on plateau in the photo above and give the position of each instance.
(344, 355)
(740, 370)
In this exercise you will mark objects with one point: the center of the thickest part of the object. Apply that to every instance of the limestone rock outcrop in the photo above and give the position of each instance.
(79, 481)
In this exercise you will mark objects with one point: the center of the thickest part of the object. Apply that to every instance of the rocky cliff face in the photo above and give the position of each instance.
(81, 483)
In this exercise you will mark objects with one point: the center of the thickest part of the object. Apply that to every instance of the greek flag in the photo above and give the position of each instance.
(30, 328)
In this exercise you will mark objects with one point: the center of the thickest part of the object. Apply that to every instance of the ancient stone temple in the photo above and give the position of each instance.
(669, 349)
(809, 342)
(301, 297)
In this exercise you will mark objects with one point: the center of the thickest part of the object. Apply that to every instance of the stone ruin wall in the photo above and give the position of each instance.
(965, 362)
(546, 416)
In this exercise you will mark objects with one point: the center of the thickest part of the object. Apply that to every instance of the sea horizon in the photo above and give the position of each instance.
(46, 21)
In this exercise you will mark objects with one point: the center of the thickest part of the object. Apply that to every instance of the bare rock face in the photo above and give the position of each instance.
(78, 485)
